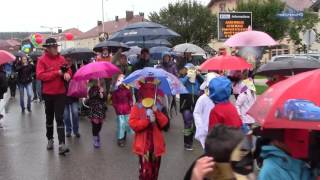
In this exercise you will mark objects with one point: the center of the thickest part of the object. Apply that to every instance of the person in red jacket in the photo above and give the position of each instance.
(224, 112)
(147, 121)
(53, 72)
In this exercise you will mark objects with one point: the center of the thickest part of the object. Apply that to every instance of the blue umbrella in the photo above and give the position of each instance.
(157, 52)
(143, 31)
(169, 83)
(150, 43)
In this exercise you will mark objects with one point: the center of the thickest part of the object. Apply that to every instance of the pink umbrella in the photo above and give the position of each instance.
(6, 57)
(250, 38)
(96, 70)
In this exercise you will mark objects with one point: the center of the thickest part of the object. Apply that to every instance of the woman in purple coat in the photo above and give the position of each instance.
(170, 66)
(122, 103)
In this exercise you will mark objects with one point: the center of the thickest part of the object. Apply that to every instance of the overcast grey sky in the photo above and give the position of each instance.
(29, 15)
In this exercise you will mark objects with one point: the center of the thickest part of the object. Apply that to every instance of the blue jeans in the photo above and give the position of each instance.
(38, 89)
(36, 86)
(28, 88)
(71, 117)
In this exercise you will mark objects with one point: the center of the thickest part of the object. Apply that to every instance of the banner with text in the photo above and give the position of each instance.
(230, 23)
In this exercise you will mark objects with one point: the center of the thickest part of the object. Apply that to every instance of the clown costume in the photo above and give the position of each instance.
(148, 121)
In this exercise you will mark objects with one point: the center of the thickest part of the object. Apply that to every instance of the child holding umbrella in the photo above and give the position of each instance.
(97, 95)
(147, 121)
(97, 109)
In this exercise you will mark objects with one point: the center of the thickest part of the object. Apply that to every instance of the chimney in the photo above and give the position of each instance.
(59, 30)
(116, 18)
(141, 14)
(129, 15)
(99, 23)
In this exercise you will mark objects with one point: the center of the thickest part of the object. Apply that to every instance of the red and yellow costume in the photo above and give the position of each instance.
(149, 142)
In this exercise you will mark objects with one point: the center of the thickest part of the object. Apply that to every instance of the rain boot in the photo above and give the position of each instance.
(121, 142)
(63, 149)
(50, 144)
(96, 142)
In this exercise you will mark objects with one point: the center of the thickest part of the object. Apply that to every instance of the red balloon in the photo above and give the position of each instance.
(39, 40)
(37, 35)
(69, 36)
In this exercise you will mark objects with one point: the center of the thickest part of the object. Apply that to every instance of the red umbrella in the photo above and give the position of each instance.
(225, 62)
(290, 104)
(6, 57)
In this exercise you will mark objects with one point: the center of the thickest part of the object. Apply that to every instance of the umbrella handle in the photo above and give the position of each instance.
(155, 95)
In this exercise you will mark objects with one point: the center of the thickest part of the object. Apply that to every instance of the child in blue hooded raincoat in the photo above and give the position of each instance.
(224, 111)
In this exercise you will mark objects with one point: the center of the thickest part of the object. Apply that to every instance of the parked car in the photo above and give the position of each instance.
(299, 109)
(298, 56)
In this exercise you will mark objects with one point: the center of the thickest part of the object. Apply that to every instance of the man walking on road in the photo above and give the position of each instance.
(53, 71)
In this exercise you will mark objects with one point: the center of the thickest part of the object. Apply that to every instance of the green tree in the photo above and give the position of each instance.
(308, 21)
(193, 21)
(264, 16)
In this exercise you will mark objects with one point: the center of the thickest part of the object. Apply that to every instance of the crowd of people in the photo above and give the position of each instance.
(214, 112)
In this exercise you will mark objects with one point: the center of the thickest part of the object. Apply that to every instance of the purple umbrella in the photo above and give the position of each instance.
(96, 70)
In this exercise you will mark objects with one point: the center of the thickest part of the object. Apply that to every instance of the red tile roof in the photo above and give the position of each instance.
(76, 32)
(299, 5)
(9, 45)
(13, 42)
(110, 27)
(211, 3)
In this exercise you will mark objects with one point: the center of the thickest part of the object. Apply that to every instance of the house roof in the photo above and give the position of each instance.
(9, 44)
(316, 4)
(76, 32)
(210, 4)
(299, 5)
(110, 27)
(13, 42)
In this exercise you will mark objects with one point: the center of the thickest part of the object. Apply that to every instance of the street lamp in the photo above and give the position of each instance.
(102, 2)
(102, 16)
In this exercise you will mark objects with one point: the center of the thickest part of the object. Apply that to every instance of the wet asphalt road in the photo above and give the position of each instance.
(23, 154)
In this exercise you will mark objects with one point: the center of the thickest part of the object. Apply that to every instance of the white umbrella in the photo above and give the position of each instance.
(190, 48)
